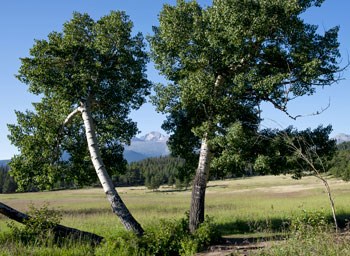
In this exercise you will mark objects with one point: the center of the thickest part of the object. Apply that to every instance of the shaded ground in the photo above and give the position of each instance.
(247, 246)
(239, 246)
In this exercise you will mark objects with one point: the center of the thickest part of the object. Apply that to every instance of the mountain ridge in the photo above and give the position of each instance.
(342, 137)
(152, 144)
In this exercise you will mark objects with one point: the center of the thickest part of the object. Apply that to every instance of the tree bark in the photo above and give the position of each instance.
(117, 204)
(199, 187)
(59, 230)
(202, 173)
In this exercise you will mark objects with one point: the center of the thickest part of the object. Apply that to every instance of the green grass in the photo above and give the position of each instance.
(239, 207)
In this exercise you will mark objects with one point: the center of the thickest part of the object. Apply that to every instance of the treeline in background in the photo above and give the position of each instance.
(7, 183)
(267, 153)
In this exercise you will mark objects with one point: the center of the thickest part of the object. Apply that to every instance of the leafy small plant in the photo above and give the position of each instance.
(310, 234)
(207, 233)
(309, 223)
(174, 238)
(168, 237)
(165, 238)
(38, 228)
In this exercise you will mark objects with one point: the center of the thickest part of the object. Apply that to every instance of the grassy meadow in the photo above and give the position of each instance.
(245, 207)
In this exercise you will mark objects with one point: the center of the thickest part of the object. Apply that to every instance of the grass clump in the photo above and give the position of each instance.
(168, 237)
(38, 228)
(310, 234)
(36, 236)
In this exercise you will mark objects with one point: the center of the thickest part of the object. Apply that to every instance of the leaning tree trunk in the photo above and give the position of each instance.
(199, 187)
(118, 206)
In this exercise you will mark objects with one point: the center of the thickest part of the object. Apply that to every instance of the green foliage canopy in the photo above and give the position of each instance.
(340, 163)
(272, 151)
(261, 50)
(98, 62)
(225, 59)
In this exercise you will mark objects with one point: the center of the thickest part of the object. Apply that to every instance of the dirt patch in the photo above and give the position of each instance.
(238, 246)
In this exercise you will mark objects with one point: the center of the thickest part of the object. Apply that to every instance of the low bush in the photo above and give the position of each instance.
(169, 237)
(310, 234)
(309, 222)
(37, 229)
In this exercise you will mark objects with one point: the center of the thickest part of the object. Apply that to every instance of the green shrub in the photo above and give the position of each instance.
(38, 228)
(173, 237)
(311, 242)
(123, 243)
(207, 234)
(309, 222)
(165, 238)
(168, 237)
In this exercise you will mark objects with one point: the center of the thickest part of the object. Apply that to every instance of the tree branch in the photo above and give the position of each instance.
(307, 157)
(284, 110)
(65, 122)
(70, 117)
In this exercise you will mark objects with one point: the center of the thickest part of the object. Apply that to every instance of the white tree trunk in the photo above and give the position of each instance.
(202, 173)
(199, 186)
(118, 206)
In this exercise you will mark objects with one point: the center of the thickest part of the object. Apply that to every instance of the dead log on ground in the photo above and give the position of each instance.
(60, 231)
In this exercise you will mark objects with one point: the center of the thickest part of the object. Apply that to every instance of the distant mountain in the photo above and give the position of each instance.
(132, 156)
(4, 162)
(152, 144)
(342, 137)
(155, 137)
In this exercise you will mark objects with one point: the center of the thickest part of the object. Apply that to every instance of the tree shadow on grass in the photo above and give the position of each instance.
(236, 227)
(241, 232)
(217, 186)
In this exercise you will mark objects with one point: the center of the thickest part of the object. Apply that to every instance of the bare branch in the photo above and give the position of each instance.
(307, 158)
(284, 110)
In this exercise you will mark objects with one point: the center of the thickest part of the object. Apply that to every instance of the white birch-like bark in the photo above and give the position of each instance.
(199, 187)
(118, 206)
(202, 174)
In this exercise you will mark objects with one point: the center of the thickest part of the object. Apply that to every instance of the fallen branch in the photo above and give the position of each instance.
(58, 230)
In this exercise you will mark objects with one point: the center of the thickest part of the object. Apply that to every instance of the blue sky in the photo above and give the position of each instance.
(23, 21)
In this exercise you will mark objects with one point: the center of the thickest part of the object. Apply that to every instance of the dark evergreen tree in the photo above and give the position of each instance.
(7, 183)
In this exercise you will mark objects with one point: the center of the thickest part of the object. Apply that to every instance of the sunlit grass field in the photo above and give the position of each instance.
(238, 206)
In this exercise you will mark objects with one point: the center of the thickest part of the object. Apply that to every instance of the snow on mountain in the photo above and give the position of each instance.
(342, 137)
(152, 144)
(155, 136)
